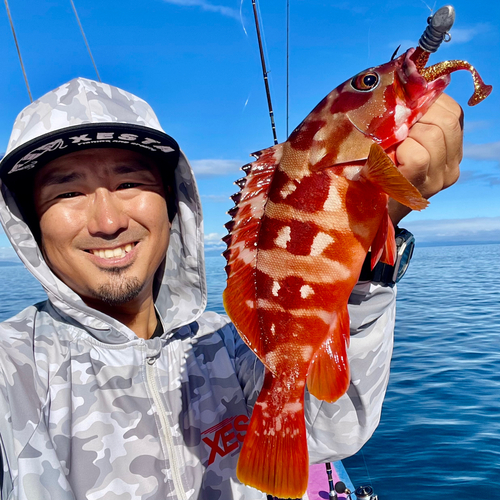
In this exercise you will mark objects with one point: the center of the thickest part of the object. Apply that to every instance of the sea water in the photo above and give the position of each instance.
(439, 435)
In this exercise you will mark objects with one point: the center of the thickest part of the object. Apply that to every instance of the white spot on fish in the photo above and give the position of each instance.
(276, 289)
(283, 237)
(288, 189)
(317, 154)
(333, 202)
(273, 328)
(250, 304)
(278, 423)
(307, 352)
(401, 114)
(320, 242)
(321, 134)
(352, 173)
(306, 291)
(292, 407)
(402, 132)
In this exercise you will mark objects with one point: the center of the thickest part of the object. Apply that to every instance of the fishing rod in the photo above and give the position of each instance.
(85, 40)
(18, 50)
(264, 72)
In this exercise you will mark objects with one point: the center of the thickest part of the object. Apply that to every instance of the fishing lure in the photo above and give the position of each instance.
(308, 212)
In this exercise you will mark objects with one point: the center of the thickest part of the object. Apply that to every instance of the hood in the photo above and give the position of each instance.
(100, 115)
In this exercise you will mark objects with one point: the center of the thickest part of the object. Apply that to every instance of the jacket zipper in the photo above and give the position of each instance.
(174, 466)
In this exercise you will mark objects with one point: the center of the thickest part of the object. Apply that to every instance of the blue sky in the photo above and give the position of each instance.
(197, 63)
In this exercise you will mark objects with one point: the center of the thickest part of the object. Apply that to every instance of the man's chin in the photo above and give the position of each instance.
(118, 292)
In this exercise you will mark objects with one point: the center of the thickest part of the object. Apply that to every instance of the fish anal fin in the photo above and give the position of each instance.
(390, 250)
(380, 170)
(384, 244)
(274, 457)
(328, 376)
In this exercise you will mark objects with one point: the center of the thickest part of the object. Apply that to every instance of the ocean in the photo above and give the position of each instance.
(439, 435)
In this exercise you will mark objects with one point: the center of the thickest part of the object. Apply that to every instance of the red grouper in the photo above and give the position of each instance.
(308, 212)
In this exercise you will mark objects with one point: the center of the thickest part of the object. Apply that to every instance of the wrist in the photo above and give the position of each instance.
(385, 273)
(397, 211)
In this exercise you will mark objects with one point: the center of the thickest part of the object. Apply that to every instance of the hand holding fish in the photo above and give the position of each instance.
(430, 156)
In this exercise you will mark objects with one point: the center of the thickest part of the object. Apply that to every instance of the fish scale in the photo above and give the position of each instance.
(307, 213)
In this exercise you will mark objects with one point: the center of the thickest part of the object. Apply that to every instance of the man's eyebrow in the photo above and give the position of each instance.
(56, 178)
(131, 167)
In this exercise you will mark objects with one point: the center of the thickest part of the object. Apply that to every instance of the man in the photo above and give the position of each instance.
(120, 386)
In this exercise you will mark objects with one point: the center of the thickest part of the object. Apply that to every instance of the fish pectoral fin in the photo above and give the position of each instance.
(380, 170)
(274, 456)
(384, 244)
(328, 376)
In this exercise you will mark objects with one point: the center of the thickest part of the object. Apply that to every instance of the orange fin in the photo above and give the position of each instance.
(328, 376)
(239, 297)
(384, 245)
(274, 457)
(380, 170)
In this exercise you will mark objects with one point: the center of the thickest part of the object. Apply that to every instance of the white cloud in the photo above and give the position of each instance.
(473, 125)
(482, 152)
(212, 168)
(213, 242)
(488, 151)
(463, 35)
(480, 229)
(8, 253)
(203, 4)
(210, 237)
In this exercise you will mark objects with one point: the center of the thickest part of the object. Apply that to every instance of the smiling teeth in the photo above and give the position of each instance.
(113, 253)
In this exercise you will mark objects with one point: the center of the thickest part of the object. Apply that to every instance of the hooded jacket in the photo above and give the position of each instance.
(90, 411)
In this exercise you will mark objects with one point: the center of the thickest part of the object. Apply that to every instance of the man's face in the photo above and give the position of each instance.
(104, 223)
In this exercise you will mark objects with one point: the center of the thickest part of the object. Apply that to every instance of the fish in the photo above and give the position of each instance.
(308, 212)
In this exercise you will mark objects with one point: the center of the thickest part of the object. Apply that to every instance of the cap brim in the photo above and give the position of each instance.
(29, 157)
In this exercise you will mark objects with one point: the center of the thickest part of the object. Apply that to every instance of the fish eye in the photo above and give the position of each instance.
(365, 81)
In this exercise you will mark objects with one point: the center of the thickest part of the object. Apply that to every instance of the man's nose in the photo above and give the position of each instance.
(106, 215)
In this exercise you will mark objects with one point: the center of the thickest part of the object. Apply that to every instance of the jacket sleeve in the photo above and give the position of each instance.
(340, 429)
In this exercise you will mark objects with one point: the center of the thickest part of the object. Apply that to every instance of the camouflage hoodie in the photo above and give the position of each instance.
(90, 411)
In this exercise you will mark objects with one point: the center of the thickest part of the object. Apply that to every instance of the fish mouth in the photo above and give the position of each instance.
(417, 88)
(437, 76)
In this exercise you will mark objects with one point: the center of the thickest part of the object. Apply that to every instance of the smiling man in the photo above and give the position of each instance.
(105, 229)
(120, 385)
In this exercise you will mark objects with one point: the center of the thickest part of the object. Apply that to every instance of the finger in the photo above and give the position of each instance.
(413, 161)
(432, 139)
(448, 116)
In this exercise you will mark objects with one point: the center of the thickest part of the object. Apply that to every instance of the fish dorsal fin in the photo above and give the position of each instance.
(380, 170)
(240, 300)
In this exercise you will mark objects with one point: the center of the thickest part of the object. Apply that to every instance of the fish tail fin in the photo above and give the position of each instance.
(274, 456)
(328, 376)
(383, 247)
(380, 170)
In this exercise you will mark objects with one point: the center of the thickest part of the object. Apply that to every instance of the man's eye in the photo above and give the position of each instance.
(128, 185)
(68, 195)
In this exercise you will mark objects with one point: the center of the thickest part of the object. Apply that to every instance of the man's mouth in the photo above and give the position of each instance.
(112, 253)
